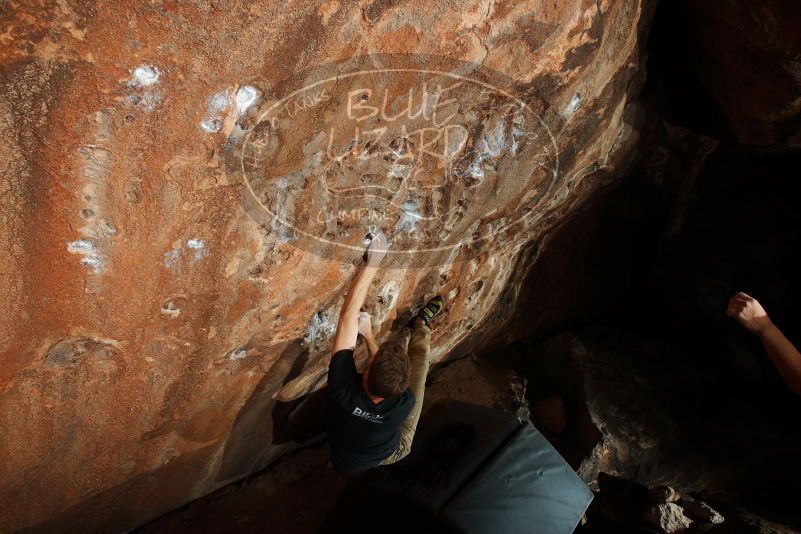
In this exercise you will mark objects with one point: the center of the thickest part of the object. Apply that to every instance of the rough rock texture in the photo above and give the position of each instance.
(638, 409)
(701, 511)
(477, 381)
(622, 505)
(151, 311)
(668, 518)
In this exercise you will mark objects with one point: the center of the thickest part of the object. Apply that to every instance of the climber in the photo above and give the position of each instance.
(750, 313)
(373, 415)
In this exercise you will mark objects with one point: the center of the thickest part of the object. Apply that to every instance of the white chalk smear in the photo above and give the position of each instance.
(320, 328)
(238, 354)
(409, 217)
(409, 205)
(246, 96)
(91, 256)
(211, 125)
(476, 168)
(199, 246)
(216, 106)
(170, 257)
(493, 143)
(219, 102)
(151, 101)
(94, 263)
(171, 310)
(572, 106)
(145, 76)
(108, 229)
(82, 246)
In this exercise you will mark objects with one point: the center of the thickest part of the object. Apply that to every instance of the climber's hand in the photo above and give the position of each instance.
(749, 312)
(365, 324)
(377, 249)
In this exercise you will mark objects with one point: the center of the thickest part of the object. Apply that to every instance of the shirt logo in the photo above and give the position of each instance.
(367, 416)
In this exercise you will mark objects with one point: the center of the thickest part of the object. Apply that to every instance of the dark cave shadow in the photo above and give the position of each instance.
(128, 505)
(253, 439)
(301, 419)
(283, 410)
(251, 434)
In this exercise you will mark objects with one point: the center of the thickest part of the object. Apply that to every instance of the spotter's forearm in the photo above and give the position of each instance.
(784, 355)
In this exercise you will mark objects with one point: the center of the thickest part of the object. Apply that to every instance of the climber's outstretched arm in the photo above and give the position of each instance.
(348, 326)
(750, 313)
(366, 331)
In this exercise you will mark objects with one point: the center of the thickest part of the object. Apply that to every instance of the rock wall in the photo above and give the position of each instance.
(166, 274)
(730, 69)
(304, 475)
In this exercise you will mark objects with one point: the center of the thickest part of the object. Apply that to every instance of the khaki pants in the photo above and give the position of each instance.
(419, 352)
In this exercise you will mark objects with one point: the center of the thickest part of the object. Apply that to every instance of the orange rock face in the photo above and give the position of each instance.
(186, 191)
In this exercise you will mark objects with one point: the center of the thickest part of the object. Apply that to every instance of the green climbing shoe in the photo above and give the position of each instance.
(431, 309)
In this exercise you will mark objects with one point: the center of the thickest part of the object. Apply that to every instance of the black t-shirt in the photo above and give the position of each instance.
(360, 432)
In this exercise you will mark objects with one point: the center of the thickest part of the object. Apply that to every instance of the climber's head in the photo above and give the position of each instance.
(388, 375)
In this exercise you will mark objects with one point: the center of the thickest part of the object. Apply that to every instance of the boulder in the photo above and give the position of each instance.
(639, 408)
(187, 191)
(663, 494)
(668, 518)
(478, 381)
(701, 511)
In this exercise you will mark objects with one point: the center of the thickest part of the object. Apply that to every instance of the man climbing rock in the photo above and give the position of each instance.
(374, 415)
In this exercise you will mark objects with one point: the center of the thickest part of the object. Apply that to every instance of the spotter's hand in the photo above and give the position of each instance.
(749, 313)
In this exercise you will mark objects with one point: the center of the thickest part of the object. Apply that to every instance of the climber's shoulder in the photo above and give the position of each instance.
(342, 369)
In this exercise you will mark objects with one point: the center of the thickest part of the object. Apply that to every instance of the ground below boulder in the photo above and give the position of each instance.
(656, 413)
